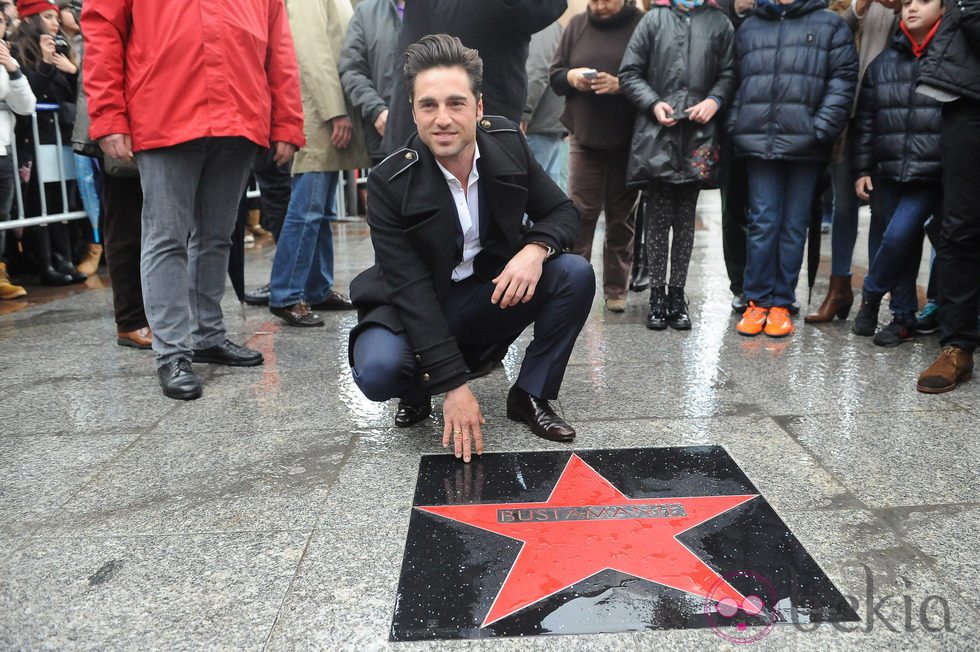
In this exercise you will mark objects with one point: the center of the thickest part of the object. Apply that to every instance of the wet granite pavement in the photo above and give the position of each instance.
(273, 512)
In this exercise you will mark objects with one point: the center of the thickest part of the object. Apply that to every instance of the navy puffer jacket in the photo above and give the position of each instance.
(797, 67)
(896, 129)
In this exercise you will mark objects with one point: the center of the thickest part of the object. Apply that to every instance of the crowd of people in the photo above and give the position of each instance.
(795, 110)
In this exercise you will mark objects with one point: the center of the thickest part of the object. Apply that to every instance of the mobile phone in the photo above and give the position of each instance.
(679, 116)
(591, 73)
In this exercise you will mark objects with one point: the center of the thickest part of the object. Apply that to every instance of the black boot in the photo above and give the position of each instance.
(677, 315)
(866, 321)
(61, 256)
(42, 259)
(657, 317)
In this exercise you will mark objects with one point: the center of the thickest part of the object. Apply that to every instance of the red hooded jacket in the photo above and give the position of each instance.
(168, 72)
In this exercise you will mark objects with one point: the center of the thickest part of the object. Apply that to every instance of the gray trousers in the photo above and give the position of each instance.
(190, 203)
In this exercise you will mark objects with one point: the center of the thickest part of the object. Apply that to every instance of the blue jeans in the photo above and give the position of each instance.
(303, 267)
(904, 207)
(547, 151)
(385, 364)
(780, 198)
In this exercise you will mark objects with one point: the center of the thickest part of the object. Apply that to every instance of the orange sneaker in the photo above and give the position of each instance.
(753, 320)
(778, 324)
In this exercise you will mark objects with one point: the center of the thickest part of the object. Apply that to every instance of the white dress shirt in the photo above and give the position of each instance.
(468, 210)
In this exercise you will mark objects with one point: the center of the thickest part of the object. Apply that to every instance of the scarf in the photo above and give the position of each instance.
(918, 49)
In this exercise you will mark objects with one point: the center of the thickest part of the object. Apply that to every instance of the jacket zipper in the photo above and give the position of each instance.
(772, 107)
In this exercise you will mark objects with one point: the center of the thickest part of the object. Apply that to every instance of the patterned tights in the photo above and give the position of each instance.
(670, 206)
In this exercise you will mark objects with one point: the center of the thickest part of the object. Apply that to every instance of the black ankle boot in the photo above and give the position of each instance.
(42, 258)
(677, 316)
(64, 266)
(61, 252)
(657, 317)
(866, 321)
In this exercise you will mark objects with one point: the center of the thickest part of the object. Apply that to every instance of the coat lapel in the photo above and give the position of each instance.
(503, 192)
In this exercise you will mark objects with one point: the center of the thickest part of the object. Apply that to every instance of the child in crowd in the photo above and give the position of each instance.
(677, 70)
(897, 161)
(797, 66)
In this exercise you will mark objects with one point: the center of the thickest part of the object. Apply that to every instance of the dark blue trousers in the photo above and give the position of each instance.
(385, 367)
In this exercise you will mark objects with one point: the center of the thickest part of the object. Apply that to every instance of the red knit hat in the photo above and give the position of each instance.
(27, 8)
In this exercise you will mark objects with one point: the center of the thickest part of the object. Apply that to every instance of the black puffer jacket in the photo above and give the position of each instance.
(681, 58)
(896, 129)
(797, 67)
(952, 63)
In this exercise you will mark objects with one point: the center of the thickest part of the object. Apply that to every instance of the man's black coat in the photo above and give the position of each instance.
(418, 241)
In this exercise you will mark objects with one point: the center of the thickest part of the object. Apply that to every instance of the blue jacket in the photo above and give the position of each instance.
(896, 129)
(952, 63)
(797, 68)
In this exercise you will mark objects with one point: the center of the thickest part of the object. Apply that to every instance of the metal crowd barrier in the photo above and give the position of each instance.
(56, 164)
(52, 164)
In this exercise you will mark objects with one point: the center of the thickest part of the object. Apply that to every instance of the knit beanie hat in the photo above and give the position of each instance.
(27, 8)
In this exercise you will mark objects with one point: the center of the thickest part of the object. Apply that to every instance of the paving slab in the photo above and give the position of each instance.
(172, 592)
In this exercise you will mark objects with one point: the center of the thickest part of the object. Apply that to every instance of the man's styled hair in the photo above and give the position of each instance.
(442, 51)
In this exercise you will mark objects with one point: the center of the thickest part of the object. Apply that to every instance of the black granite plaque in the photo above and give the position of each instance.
(518, 544)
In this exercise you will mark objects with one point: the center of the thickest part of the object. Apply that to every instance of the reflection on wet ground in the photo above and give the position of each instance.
(273, 512)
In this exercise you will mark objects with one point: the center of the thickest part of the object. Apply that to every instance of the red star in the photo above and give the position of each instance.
(586, 526)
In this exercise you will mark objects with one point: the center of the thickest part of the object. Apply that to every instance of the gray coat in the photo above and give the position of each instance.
(681, 58)
(542, 111)
(367, 60)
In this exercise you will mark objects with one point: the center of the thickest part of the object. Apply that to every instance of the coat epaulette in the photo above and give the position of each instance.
(496, 123)
(396, 163)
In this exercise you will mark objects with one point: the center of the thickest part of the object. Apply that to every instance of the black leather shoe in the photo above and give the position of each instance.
(408, 415)
(334, 301)
(538, 414)
(178, 381)
(229, 354)
(258, 296)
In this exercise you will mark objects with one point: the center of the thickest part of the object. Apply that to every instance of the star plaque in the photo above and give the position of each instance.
(517, 544)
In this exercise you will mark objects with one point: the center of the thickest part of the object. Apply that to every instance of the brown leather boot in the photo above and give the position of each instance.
(7, 289)
(839, 299)
(253, 226)
(90, 259)
(953, 366)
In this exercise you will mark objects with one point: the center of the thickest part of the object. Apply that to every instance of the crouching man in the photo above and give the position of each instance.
(457, 275)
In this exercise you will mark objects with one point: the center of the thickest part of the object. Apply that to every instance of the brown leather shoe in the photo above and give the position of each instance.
(141, 338)
(538, 413)
(953, 366)
(334, 301)
(838, 303)
(298, 314)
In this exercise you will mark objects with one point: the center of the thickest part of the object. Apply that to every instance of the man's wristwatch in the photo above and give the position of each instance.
(548, 248)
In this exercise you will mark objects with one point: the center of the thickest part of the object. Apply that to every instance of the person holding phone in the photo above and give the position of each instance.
(17, 94)
(677, 71)
(52, 71)
(600, 121)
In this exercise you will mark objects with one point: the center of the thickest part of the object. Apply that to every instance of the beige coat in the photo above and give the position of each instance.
(318, 29)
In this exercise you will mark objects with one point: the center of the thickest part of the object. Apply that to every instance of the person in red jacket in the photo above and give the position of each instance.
(190, 95)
